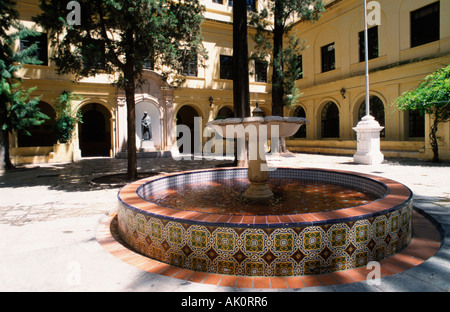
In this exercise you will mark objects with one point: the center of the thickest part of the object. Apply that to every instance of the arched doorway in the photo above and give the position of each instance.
(95, 131)
(186, 116)
(376, 110)
(42, 135)
(330, 121)
(301, 133)
(224, 113)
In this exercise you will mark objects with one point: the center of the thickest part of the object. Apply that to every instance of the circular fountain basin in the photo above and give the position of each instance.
(369, 219)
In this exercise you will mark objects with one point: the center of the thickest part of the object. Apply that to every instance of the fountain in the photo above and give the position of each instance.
(258, 222)
(258, 171)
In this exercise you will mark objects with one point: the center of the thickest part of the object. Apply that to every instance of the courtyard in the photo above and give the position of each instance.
(54, 217)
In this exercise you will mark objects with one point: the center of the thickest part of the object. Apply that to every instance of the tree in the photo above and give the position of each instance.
(431, 97)
(241, 92)
(66, 118)
(273, 26)
(118, 37)
(18, 111)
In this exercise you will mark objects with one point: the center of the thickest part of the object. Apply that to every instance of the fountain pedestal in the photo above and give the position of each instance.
(258, 130)
(258, 190)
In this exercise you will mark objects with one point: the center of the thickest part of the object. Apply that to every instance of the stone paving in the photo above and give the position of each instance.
(49, 214)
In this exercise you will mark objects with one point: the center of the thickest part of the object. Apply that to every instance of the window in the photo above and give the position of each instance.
(41, 51)
(251, 4)
(226, 67)
(330, 121)
(300, 66)
(149, 64)
(416, 124)
(373, 44)
(217, 1)
(425, 25)
(328, 58)
(190, 67)
(260, 71)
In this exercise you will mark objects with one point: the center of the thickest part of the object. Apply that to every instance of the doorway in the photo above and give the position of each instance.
(95, 131)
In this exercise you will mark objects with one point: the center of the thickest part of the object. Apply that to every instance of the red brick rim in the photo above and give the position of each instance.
(398, 195)
(425, 244)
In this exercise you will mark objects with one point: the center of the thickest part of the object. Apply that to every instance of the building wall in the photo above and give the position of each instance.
(397, 69)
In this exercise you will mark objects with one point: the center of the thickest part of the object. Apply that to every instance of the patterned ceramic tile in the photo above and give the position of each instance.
(267, 249)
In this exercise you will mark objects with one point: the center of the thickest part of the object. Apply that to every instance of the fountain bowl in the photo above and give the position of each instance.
(270, 244)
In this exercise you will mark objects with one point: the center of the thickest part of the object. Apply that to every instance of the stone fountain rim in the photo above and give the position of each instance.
(397, 195)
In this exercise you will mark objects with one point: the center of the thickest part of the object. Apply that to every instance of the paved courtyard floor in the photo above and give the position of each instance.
(50, 214)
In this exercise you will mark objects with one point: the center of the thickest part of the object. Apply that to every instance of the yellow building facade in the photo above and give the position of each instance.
(331, 100)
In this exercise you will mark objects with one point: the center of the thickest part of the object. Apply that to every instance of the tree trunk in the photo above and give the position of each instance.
(277, 81)
(131, 121)
(5, 158)
(433, 138)
(241, 94)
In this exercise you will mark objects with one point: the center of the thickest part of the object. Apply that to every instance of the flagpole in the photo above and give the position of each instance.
(366, 47)
(368, 129)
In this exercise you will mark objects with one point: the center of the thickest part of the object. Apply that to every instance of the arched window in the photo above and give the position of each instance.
(301, 133)
(376, 110)
(330, 121)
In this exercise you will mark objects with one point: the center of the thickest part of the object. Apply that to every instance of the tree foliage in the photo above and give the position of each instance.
(432, 97)
(115, 34)
(274, 36)
(118, 37)
(18, 110)
(66, 117)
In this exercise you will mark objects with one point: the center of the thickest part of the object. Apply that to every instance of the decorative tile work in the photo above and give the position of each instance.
(266, 249)
(258, 252)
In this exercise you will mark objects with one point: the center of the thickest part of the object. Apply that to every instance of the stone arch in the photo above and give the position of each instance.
(357, 25)
(326, 36)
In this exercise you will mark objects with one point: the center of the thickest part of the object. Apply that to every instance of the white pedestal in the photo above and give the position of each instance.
(147, 146)
(368, 142)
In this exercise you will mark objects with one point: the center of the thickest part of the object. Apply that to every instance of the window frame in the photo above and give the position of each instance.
(190, 66)
(421, 35)
(226, 67)
(328, 58)
(261, 71)
(42, 47)
(374, 45)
